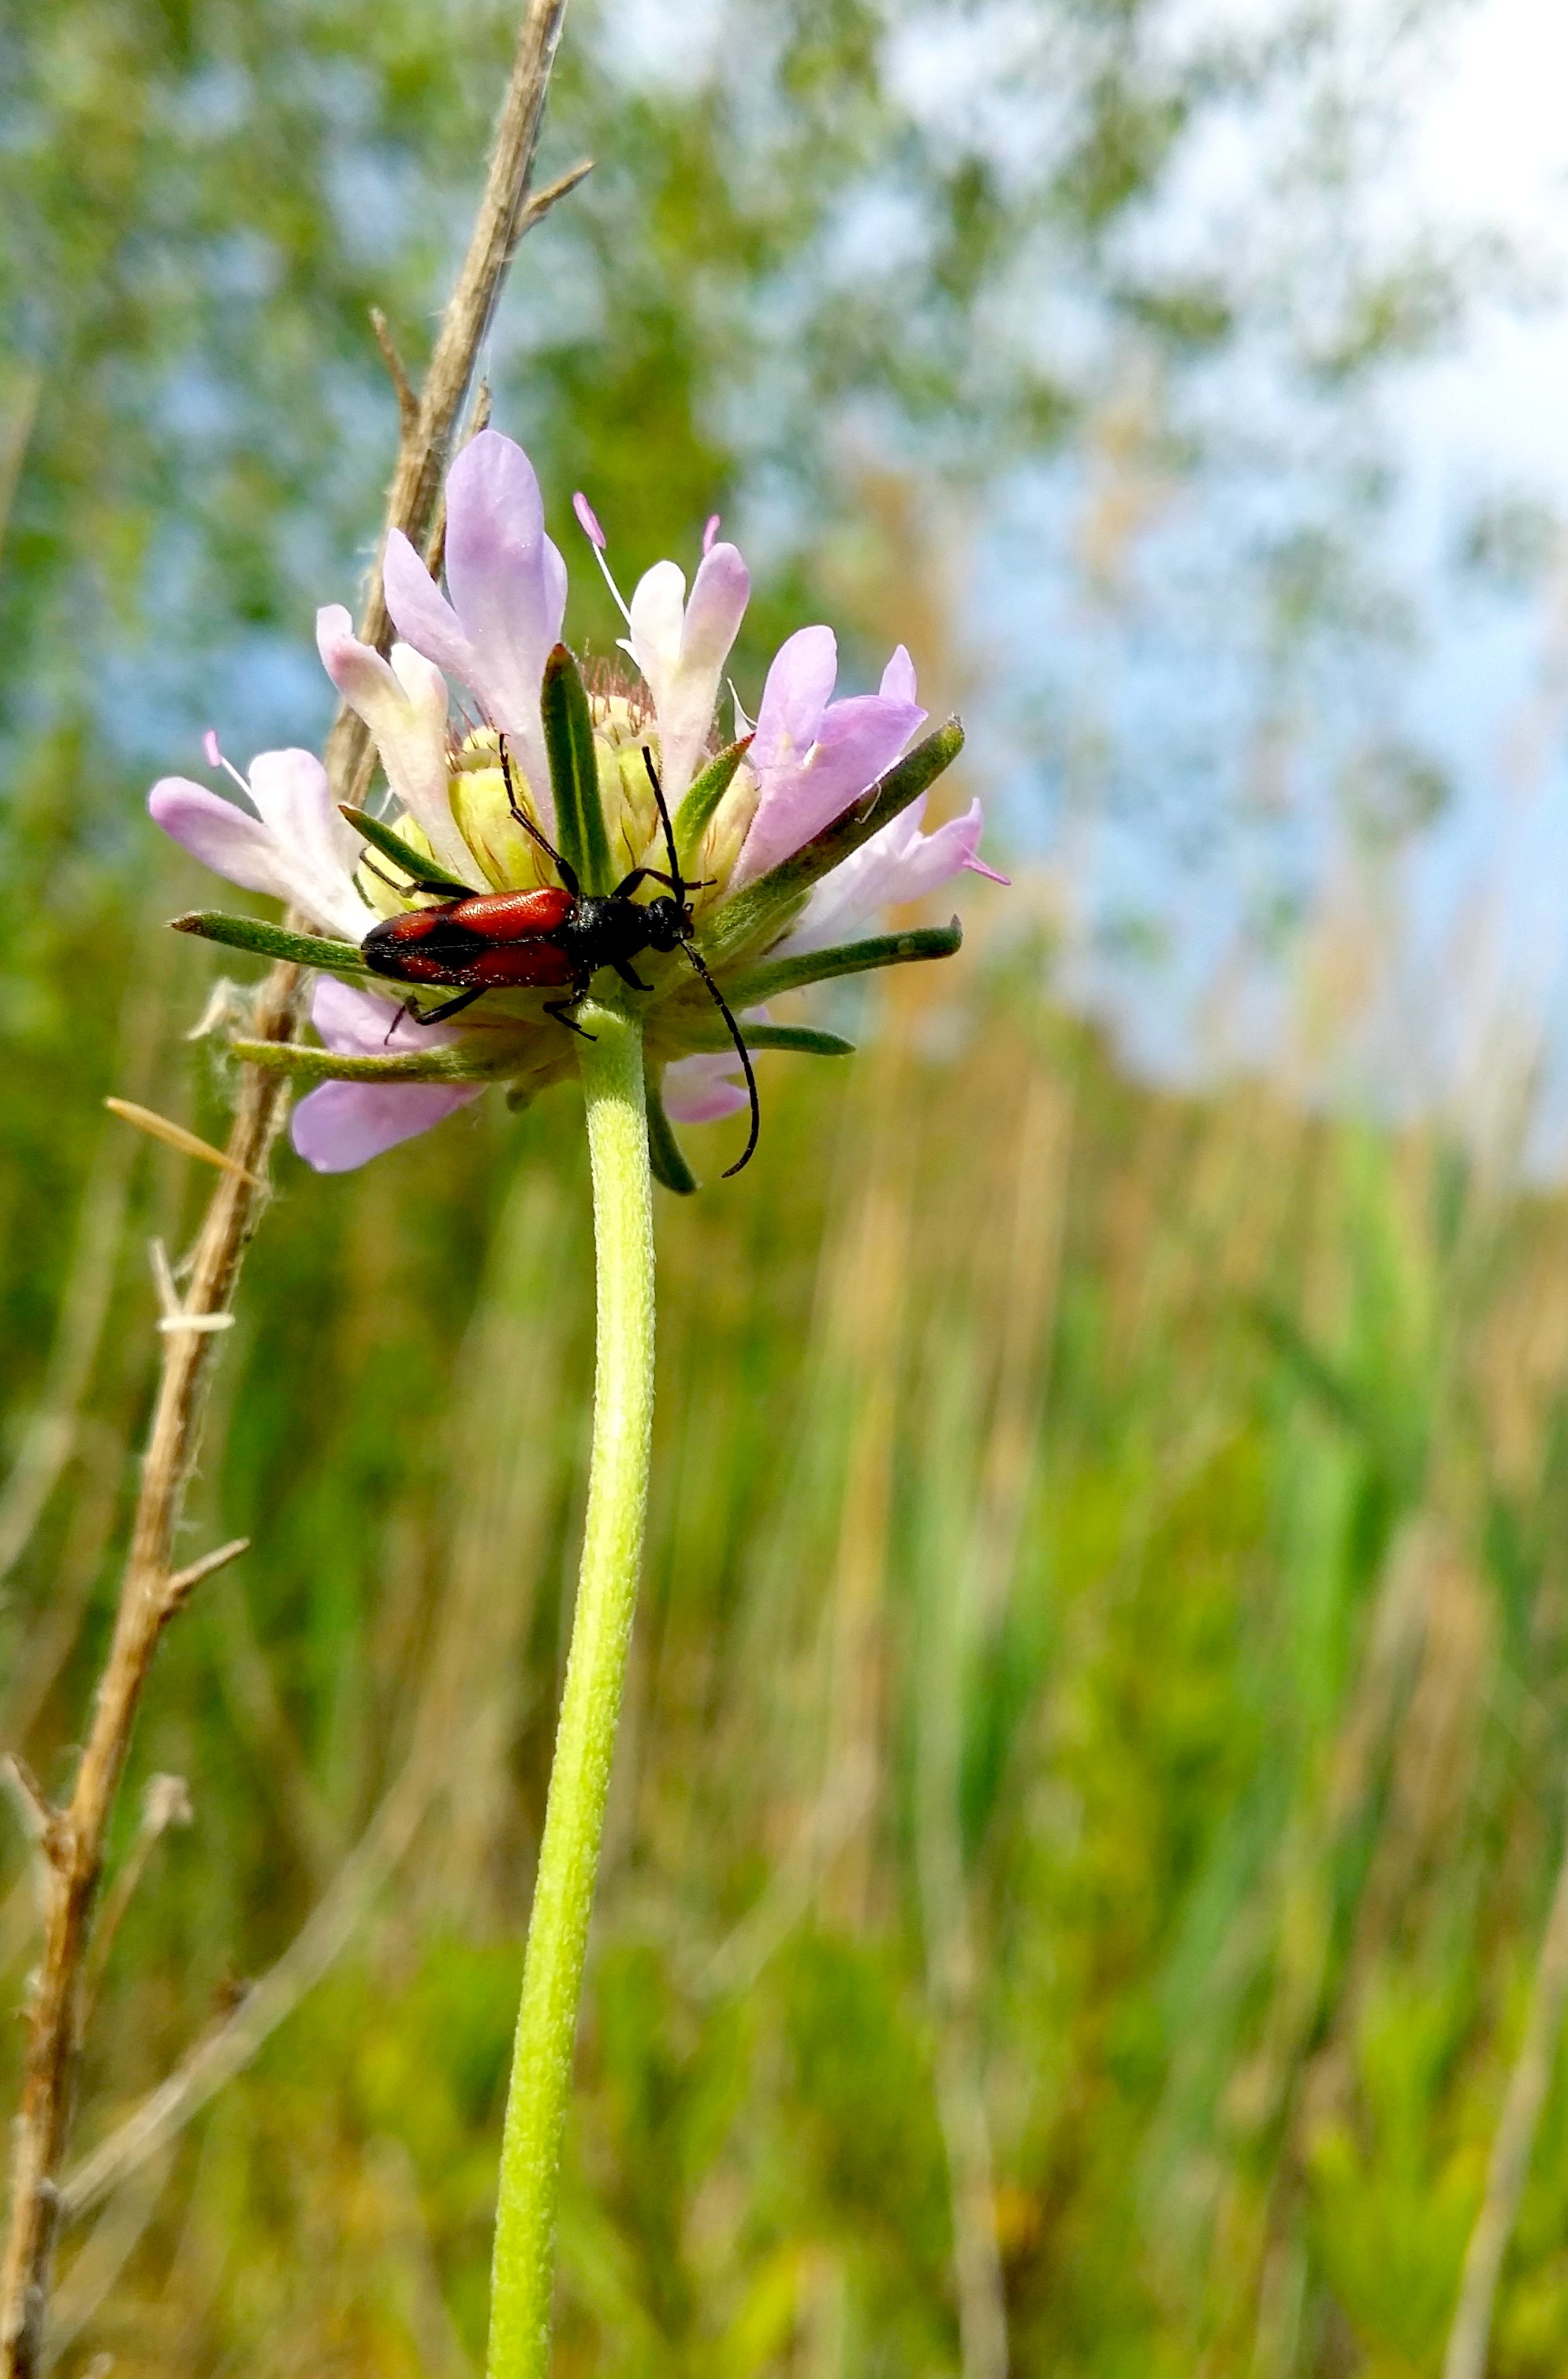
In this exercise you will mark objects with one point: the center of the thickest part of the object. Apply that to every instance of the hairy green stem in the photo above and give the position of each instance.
(523, 2277)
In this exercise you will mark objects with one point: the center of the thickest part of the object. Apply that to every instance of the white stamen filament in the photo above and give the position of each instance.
(608, 575)
(218, 758)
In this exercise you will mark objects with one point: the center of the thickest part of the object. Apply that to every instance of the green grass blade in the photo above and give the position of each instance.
(704, 797)
(664, 1153)
(765, 981)
(427, 875)
(759, 913)
(805, 1038)
(264, 941)
(443, 1065)
(574, 773)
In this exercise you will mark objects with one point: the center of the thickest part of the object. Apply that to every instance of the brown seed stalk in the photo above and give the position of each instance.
(74, 1836)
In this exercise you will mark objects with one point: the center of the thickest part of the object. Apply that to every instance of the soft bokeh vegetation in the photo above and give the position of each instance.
(1092, 1775)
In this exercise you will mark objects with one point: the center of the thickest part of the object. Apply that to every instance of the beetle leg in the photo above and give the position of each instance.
(447, 1007)
(678, 883)
(557, 1007)
(625, 972)
(563, 868)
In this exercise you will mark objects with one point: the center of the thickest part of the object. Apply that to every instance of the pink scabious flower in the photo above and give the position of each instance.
(789, 838)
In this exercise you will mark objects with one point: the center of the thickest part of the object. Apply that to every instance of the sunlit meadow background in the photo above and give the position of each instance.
(1098, 1736)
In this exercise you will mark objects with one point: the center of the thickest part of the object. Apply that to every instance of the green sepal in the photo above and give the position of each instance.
(574, 773)
(704, 796)
(271, 941)
(669, 1166)
(759, 913)
(293, 1058)
(765, 981)
(805, 1038)
(428, 877)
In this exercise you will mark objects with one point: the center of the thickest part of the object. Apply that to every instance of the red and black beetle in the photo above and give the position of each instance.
(556, 938)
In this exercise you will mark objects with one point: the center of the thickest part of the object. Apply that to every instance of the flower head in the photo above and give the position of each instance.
(752, 864)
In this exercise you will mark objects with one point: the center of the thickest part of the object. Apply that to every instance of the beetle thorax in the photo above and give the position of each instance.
(669, 923)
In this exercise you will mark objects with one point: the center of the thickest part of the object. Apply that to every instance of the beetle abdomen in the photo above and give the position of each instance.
(489, 941)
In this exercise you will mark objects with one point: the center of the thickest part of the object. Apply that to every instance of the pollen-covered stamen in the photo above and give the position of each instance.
(709, 533)
(472, 747)
(618, 702)
(589, 522)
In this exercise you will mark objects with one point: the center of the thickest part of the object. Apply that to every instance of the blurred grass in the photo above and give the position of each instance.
(1094, 1771)
(1097, 1707)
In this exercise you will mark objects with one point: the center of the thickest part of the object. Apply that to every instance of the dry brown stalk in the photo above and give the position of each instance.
(504, 215)
(75, 1839)
(152, 1591)
(503, 1499)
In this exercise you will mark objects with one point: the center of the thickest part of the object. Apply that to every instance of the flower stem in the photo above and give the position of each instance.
(522, 2275)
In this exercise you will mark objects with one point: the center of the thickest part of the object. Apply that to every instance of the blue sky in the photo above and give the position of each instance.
(1198, 795)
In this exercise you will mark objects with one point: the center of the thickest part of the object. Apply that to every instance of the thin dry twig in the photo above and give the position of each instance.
(403, 387)
(1509, 2163)
(75, 1845)
(173, 1135)
(503, 1499)
(497, 227)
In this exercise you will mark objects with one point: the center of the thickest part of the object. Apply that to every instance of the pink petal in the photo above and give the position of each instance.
(681, 648)
(798, 688)
(859, 740)
(290, 852)
(898, 678)
(335, 1133)
(342, 1125)
(505, 591)
(403, 703)
(897, 865)
(555, 591)
(508, 586)
(292, 797)
(224, 837)
(695, 1090)
(710, 532)
(655, 617)
(355, 1023)
(421, 613)
(721, 592)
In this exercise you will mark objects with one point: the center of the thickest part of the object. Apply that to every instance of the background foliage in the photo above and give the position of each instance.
(1092, 1772)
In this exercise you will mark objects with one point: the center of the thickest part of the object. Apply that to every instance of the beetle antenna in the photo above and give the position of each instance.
(526, 823)
(742, 1051)
(678, 885)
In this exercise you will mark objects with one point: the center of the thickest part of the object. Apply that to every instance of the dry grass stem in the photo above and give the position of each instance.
(152, 1589)
(173, 1135)
(422, 452)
